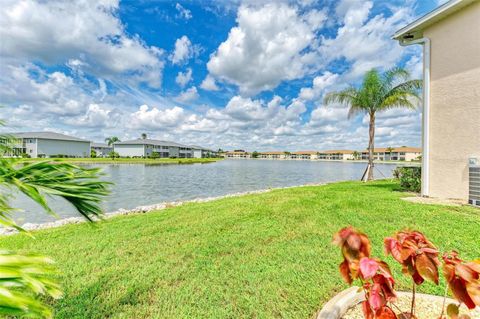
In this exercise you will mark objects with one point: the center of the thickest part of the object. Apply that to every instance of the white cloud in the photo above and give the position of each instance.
(96, 117)
(364, 42)
(183, 78)
(156, 119)
(86, 35)
(188, 95)
(183, 50)
(320, 83)
(209, 84)
(183, 12)
(271, 43)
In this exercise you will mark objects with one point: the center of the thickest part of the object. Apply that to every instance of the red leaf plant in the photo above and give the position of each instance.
(354, 246)
(418, 256)
(463, 279)
(419, 259)
(375, 274)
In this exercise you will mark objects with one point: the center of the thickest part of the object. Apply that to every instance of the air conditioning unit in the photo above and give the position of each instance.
(474, 182)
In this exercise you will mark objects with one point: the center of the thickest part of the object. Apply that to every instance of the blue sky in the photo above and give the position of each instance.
(229, 74)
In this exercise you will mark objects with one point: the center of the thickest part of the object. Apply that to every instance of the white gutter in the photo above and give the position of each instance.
(426, 110)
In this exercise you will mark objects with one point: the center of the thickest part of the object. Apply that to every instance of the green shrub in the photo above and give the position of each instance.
(410, 177)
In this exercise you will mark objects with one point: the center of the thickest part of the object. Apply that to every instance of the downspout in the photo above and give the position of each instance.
(426, 111)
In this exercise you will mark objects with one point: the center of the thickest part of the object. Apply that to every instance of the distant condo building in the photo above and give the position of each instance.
(304, 155)
(237, 154)
(381, 154)
(338, 155)
(164, 149)
(273, 155)
(395, 154)
(49, 144)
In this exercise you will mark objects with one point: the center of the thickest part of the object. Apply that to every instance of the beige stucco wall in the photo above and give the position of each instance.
(455, 101)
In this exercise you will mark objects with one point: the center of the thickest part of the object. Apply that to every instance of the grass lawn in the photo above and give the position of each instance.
(257, 256)
(149, 161)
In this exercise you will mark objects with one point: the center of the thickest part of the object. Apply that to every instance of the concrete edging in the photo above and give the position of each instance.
(336, 307)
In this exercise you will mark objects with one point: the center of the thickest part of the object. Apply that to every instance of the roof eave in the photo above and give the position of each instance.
(415, 29)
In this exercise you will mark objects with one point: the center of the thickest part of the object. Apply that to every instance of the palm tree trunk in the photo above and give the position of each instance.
(368, 174)
(371, 140)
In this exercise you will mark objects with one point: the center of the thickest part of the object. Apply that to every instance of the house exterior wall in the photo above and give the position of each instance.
(49, 147)
(454, 133)
(197, 153)
(30, 146)
(133, 150)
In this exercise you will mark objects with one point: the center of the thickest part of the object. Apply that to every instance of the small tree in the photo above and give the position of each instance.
(255, 154)
(155, 155)
(93, 153)
(356, 155)
(144, 136)
(111, 140)
(389, 150)
(113, 155)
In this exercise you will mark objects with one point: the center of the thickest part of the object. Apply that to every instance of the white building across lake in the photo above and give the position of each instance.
(164, 149)
(50, 144)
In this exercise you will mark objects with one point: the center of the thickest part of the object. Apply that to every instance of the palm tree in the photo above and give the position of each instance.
(389, 150)
(356, 155)
(378, 92)
(111, 140)
(144, 136)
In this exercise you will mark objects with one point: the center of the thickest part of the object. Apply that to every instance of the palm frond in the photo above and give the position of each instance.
(23, 278)
(345, 97)
(79, 186)
(390, 77)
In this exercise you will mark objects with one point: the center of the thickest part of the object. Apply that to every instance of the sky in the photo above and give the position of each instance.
(221, 74)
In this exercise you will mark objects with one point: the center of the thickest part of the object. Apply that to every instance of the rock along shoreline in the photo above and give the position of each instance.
(138, 210)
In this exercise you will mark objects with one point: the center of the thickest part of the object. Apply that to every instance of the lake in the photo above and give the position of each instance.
(139, 184)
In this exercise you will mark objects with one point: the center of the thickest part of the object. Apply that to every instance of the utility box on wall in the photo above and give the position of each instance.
(474, 182)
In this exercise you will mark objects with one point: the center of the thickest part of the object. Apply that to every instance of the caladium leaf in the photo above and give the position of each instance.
(376, 299)
(392, 246)
(368, 267)
(385, 313)
(460, 293)
(473, 289)
(345, 272)
(463, 279)
(427, 268)
(367, 311)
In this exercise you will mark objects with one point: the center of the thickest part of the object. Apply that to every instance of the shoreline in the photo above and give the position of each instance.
(143, 209)
(125, 161)
(413, 163)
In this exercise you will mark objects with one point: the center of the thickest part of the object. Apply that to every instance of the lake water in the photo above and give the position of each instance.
(138, 184)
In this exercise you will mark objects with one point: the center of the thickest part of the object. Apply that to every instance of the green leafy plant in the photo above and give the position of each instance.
(410, 177)
(155, 155)
(419, 260)
(113, 155)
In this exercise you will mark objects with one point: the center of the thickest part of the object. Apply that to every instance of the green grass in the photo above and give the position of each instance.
(257, 256)
(149, 161)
